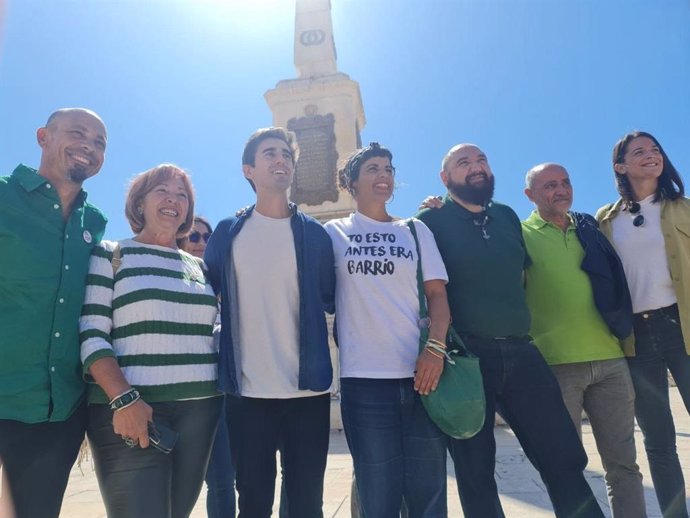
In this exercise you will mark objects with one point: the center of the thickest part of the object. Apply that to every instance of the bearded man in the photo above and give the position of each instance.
(484, 253)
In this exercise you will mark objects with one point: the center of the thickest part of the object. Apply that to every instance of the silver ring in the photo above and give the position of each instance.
(130, 442)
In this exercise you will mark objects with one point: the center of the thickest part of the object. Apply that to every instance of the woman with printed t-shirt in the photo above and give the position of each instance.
(650, 229)
(398, 452)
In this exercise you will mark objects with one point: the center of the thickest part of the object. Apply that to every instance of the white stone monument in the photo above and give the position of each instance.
(324, 108)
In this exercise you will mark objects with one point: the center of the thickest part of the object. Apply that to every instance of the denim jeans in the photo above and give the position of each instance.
(37, 459)
(604, 390)
(397, 451)
(144, 482)
(659, 347)
(300, 427)
(220, 475)
(520, 385)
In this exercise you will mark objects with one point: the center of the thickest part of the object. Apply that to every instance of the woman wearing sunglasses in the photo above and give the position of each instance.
(650, 228)
(195, 242)
(220, 474)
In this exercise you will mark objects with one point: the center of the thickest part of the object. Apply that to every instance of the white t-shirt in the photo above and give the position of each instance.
(643, 253)
(377, 303)
(265, 264)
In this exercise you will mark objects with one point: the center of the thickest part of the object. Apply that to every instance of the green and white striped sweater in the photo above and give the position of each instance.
(156, 317)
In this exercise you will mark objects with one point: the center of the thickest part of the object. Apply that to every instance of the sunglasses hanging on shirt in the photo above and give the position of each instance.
(638, 218)
(481, 220)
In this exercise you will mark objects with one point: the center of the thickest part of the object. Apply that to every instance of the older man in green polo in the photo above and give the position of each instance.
(47, 231)
(572, 286)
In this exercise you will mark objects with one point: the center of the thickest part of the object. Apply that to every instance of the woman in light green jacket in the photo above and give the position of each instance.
(650, 228)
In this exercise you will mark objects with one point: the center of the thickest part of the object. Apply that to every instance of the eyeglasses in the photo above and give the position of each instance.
(635, 209)
(481, 220)
(195, 236)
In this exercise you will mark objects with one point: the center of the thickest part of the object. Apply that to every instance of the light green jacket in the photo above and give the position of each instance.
(675, 224)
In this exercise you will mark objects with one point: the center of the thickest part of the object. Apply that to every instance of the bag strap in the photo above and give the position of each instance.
(423, 311)
(453, 339)
(116, 261)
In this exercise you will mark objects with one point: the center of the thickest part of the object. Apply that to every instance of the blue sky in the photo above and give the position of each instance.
(183, 81)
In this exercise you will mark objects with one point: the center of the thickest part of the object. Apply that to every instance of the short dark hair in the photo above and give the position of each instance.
(350, 171)
(256, 138)
(670, 185)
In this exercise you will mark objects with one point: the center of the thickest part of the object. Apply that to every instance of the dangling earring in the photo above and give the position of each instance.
(140, 210)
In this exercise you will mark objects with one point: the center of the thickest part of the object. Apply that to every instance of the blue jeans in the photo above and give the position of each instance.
(220, 475)
(397, 451)
(659, 346)
(519, 384)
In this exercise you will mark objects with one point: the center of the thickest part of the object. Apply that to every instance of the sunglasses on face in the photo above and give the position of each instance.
(196, 236)
(638, 220)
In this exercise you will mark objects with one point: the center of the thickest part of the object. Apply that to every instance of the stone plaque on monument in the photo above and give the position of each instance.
(316, 169)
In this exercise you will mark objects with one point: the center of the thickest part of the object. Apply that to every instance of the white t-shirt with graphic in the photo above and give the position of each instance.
(377, 303)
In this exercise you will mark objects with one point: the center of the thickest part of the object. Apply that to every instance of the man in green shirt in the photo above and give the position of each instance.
(47, 231)
(484, 253)
(575, 340)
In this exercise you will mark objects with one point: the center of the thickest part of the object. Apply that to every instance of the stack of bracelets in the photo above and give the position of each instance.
(437, 349)
(127, 398)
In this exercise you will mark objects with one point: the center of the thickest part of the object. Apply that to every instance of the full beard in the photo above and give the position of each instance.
(479, 194)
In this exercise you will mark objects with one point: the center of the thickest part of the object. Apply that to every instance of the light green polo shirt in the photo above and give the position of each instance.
(566, 325)
(44, 260)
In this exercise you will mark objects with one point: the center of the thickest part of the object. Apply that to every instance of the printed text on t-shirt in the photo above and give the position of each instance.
(374, 244)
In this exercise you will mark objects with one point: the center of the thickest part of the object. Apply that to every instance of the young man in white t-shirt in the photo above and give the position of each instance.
(273, 267)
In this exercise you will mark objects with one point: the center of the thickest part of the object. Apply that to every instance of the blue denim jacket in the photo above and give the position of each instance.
(316, 278)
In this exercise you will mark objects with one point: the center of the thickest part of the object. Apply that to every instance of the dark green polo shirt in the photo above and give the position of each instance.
(485, 286)
(43, 265)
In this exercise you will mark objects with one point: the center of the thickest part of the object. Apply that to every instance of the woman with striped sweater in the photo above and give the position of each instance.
(146, 341)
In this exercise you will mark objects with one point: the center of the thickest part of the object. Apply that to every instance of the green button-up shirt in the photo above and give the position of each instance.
(43, 265)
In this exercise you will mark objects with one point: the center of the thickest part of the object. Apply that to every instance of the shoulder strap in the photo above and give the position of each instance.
(117, 258)
(423, 311)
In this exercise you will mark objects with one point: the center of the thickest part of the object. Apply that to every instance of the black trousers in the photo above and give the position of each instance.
(146, 483)
(300, 428)
(37, 459)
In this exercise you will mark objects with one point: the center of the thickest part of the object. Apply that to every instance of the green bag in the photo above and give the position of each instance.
(458, 405)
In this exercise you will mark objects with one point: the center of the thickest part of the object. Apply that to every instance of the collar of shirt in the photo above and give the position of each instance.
(536, 222)
(30, 180)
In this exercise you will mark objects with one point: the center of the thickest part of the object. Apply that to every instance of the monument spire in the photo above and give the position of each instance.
(324, 108)
(314, 45)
